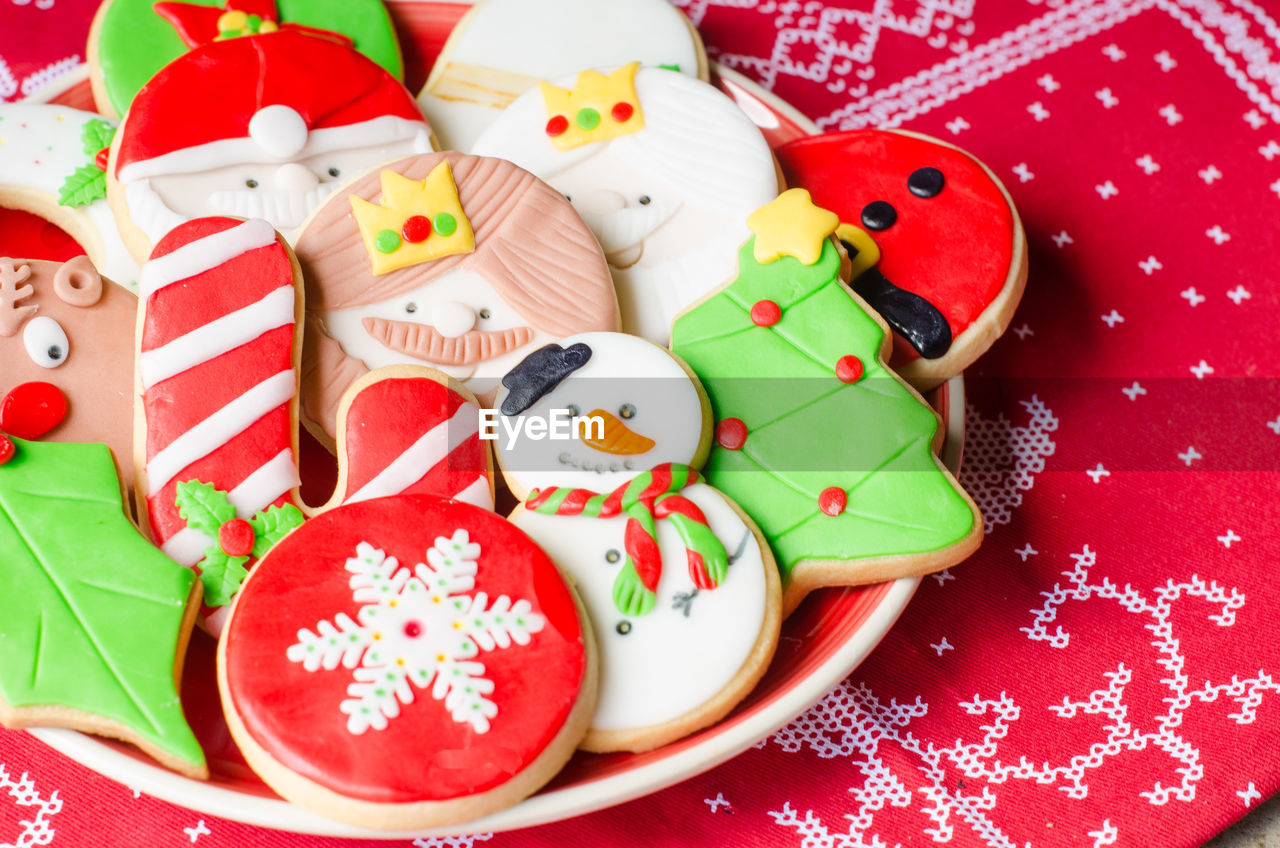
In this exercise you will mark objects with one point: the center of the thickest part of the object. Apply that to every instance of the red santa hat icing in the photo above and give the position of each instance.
(264, 98)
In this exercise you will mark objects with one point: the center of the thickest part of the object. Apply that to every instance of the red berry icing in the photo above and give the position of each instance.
(832, 501)
(622, 112)
(236, 537)
(558, 125)
(6, 449)
(765, 313)
(100, 159)
(731, 433)
(417, 229)
(31, 410)
(849, 369)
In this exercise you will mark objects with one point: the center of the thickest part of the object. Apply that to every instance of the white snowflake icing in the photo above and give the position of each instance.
(419, 625)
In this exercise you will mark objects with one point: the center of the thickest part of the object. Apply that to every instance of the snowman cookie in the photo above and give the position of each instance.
(54, 166)
(461, 263)
(258, 127)
(502, 48)
(941, 252)
(434, 666)
(664, 168)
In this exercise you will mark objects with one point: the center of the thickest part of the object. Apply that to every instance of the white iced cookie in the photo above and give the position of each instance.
(664, 168)
(596, 409)
(50, 166)
(503, 48)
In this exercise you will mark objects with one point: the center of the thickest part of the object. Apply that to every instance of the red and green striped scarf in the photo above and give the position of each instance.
(645, 500)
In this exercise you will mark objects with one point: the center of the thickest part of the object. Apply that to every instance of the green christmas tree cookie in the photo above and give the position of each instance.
(828, 450)
(94, 620)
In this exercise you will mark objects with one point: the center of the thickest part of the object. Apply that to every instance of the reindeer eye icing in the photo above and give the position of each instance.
(46, 342)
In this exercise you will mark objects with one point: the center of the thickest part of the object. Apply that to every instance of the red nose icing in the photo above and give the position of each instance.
(32, 409)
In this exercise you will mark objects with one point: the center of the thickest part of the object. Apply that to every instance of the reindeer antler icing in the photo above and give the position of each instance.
(12, 274)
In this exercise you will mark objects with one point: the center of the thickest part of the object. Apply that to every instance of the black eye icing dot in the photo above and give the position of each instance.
(251, 183)
(926, 182)
(627, 411)
(333, 172)
(568, 198)
(54, 352)
(484, 313)
(645, 200)
(879, 215)
(624, 627)
(612, 556)
(411, 308)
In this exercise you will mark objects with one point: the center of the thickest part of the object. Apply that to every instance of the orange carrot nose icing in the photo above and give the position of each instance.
(617, 438)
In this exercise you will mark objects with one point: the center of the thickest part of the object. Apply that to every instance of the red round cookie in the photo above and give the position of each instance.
(369, 719)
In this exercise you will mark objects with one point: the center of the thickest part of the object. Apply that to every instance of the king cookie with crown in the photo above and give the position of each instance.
(609, 255)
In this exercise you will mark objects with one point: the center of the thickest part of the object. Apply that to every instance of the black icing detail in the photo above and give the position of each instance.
(926, 182)
(683, 601)
(539, 373)
(879, 215)
(910, 315)
(623, 628)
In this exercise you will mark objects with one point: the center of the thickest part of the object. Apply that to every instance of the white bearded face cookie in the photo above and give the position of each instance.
(665, 169)
(503, 48)
(634, 403)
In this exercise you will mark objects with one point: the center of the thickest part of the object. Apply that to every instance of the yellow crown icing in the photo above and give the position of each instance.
(791, 225)
(419, 220)
(598, 108)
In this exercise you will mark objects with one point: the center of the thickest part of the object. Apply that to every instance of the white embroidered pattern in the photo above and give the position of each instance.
(35, 831)
(1001, 460)
(418, 626)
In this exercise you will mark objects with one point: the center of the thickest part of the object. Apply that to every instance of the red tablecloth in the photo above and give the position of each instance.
(1105, 671)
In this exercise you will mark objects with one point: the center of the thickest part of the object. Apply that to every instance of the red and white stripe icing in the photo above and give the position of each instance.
(413, 435)
(216, 363)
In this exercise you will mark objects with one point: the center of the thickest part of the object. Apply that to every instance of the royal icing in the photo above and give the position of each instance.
(667, 200)
(504, 48)
(48, 169)
(536, 273)
(460, 595)
(93, 619)
(661, 665)
(136, 38)
(632, 403)
(258, 127)
(817, 492)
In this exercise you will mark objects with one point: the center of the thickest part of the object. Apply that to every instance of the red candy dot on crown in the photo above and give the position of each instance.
(832, 501)
(622, 112)
(731, 433)
(7, 450)
(765, 313)
(559, 125)
(849, 369)
(236, 537)
(417, 229)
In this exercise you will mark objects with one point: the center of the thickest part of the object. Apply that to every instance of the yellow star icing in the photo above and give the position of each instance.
(419, 220)
(598, 108)
(791, 225)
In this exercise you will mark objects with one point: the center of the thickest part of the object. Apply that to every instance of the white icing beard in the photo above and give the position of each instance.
(666, 663)
(626, 228)
(149, 212)
(285, 210)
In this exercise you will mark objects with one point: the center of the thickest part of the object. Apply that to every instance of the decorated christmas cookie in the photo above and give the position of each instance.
(432, 667)
(664, 168)
(94, 620)
(683, 593)
(66, 343)
(461, 263)
(614, 406)
(825, 447)
(257, 127)
(53, 163)
(503, 48)
(942, 255)
(133, 39)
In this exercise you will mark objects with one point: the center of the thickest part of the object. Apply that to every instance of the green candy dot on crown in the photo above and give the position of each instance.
(444, 224)
(587, 119)
(387, 241)
(255, 23)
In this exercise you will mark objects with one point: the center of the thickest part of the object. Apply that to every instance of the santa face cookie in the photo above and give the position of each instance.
(66, 340)
(258, 127)
(133, 39)
(790, 357)
(613, 406)
(53, 166)
(943, 254)
(433, 667)
(503, 48)
(664, 169)
(677, 657)
(460, 263)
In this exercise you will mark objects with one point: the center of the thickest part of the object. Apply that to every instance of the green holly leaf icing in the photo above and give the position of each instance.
(222, 576)
(85, 185)
(273, 524)
(91, 613)
(807, 431)
(96, 135)
(204, 507)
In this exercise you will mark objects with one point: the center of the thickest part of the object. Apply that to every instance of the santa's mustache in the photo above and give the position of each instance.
(283, 209)
(422, 341)
(625, 228)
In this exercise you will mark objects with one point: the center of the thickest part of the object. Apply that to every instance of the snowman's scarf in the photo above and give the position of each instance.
(646, 499)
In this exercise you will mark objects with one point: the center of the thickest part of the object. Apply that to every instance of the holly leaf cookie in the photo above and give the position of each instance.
(817, 440)
(93, 619)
